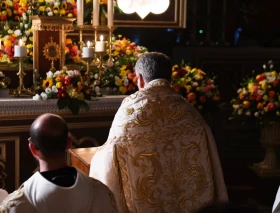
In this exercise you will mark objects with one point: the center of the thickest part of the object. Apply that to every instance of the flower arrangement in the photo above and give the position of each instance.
(259, 96)
(68, 87)
(4, 81)
(72, 53)
(65, 8)
(120, 74)
(196, 87)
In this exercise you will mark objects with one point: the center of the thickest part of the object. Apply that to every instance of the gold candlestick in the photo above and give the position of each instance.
(81, 43)
(87, 73)
(100, 65)
(21, 89)
(110, 45)
(95, 61)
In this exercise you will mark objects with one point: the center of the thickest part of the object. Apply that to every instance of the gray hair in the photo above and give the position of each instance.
(154, 65)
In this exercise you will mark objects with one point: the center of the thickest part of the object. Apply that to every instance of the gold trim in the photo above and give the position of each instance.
(84, 125)
(3, 152)
(16, 140)
(179, 21)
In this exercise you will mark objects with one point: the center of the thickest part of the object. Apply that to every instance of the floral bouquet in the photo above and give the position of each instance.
(258, 98)
(120, 74)
(68, 87)
(72, 53)
(4, 81)
(196, 87)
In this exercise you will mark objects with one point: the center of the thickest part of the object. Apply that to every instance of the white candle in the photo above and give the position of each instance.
(110, 13)
(95, 21)
(88, 51)
(20, 51)
(80, 12)
(100, 46)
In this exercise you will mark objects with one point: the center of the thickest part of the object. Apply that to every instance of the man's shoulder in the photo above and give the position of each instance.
(14, 201)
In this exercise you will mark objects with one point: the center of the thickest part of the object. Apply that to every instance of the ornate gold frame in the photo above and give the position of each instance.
(46, 50)
(174, 17)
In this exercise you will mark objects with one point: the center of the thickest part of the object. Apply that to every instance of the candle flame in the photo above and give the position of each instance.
(20, 42)
(101, 38)
(88, 43)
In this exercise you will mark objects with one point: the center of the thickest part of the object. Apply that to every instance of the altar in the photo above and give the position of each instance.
(89, 128)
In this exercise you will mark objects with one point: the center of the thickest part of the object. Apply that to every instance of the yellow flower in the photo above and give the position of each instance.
(42, 8)
(265, 97)
(62, 12)
(250, 86)
(274, 73)
(47, 83)
(188, 88)
(123, 89)
(118, 82)
(128, 52)
(58, 85)
(174, 68)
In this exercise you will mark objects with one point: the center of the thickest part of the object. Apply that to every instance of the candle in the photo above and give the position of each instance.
(88, 51)
(80, 12)
(110, 13)
(20, 50)
(95, 21)
(100, 46)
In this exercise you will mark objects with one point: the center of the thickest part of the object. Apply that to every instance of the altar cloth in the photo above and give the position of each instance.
(26, 105)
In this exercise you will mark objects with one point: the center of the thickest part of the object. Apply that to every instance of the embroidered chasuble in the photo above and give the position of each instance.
(160, 155)
(37, 194)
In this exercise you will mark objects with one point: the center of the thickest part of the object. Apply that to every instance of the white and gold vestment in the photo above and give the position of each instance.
(37, 194)
(160, 155)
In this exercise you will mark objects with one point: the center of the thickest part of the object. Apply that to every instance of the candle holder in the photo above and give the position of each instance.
(100, 65)
(87, 73)
(95, 61)
(110, 45)
(21, 89)
(81, 43)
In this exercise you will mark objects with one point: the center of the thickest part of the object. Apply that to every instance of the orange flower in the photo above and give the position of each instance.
(260, 106)
(246, 104)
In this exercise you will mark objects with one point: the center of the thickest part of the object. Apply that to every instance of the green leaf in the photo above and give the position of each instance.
(74, 106)
(63, 103)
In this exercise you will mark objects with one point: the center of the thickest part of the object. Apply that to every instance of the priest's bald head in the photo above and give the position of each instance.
(49, 135)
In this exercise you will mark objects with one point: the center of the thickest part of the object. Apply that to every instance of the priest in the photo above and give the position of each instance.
(160, 155)
(57, 187)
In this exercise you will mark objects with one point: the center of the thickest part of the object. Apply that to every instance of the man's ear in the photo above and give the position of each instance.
(69, 143)
(33, 149)
(141, 82)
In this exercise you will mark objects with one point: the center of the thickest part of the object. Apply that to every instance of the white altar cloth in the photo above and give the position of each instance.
(26, 105)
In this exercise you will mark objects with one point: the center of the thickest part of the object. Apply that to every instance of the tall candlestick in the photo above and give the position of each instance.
(80, 12)
(110, 12)
(20, 51)
(88, 51)
(100, 46)
(95, 21)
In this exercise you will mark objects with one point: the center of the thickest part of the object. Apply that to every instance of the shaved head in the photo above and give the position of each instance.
(49, 133)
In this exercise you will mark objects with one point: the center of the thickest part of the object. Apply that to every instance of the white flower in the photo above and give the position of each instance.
(11, 32)
(48, 90)
(21, 24)
(54, 89)
(57, 3)
(125, 82)
(1, 74)
(117, 78)
(71, 73)
(49, 74)
(195, 84)
(24, 38)
(24, 16)
(245, 92)
(27, 32)
(56, 73)
(271, 78)
(260, 92)
(240, 112)
(76, 73)
(50, 13)
(264, 66)
(248, 113)
(97, 90)
(110, 63)
(256, 114)
(96, 76)
(44, 96)
(36, 97)
(26, 26)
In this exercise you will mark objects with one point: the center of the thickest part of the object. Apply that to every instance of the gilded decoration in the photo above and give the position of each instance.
(11, 200)
(159, 161)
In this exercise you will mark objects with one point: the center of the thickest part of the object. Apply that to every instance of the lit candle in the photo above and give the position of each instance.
(88, 51)
(110, 13)
(20, 50)
(100, 46)
(95, 21)
(80, 12)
